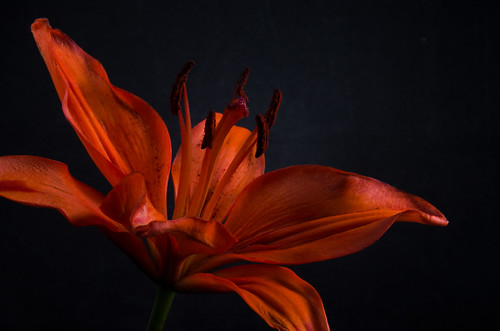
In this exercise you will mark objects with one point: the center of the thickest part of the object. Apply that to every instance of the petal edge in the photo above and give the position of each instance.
(277, 294)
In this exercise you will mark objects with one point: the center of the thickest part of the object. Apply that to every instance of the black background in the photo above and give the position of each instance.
(406, 93)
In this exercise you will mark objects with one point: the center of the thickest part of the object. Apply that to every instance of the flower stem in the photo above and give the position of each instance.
(163, 301)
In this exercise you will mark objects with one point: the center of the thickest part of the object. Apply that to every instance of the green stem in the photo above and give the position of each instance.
(162, 304)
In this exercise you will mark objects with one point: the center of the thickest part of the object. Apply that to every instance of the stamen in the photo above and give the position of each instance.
(178, 88)
(259, 137)
(183, 74)
(272, 111)
(244, 151)
(175, 98)
(233, 112)
(179, 91)
(262, 135)
(209, 130)
(182, 198)
(240, 84)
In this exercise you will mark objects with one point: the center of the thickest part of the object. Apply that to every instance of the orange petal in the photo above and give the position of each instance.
(128, 203)
(303, 214)
(279, 296)
(45, 183)
(121, 132)
(42, 182)
(170, 240)
(318, 240)
(193, 235)
(249, 169)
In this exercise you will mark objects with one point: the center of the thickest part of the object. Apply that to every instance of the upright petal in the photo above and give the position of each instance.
(42, 182)
(279, 296)
(121, 132)
(249, 169)
(304, 214)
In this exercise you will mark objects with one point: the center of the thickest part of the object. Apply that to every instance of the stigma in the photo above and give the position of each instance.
(201, 200)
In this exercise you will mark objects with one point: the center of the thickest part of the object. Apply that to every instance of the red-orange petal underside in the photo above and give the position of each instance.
(41, 182)
(305, 214)
(278, 295)
(120, 131)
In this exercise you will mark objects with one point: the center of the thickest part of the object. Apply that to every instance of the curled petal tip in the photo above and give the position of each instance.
(40, 22)
(41, 25)
(439, 220)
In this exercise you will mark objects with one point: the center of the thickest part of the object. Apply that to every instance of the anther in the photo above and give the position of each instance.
(240, 84)
(178, 88)
(175, 98)
(272, 111)
(209, 130)
(262, 135)
(183, 74)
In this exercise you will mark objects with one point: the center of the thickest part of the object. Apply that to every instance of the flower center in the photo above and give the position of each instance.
(201, 203)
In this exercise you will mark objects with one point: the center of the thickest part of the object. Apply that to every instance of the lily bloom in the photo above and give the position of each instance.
(226, 210)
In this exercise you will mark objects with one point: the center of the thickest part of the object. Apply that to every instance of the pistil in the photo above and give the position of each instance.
(258, 136)
(201, 204)
(235, 111)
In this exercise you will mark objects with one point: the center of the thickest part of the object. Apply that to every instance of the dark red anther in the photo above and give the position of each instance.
(178, 88)
(272, 111)
(262, 135)
(240, 84)
(176, 97)
(183, 74)
(209, 130)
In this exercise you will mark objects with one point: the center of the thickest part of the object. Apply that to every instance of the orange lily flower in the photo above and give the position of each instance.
(226, 209)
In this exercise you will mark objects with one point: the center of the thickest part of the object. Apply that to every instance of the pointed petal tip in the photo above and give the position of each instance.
(422, 212)
(438, 220)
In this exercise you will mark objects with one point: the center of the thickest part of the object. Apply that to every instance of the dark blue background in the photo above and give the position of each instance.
(406, 93)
